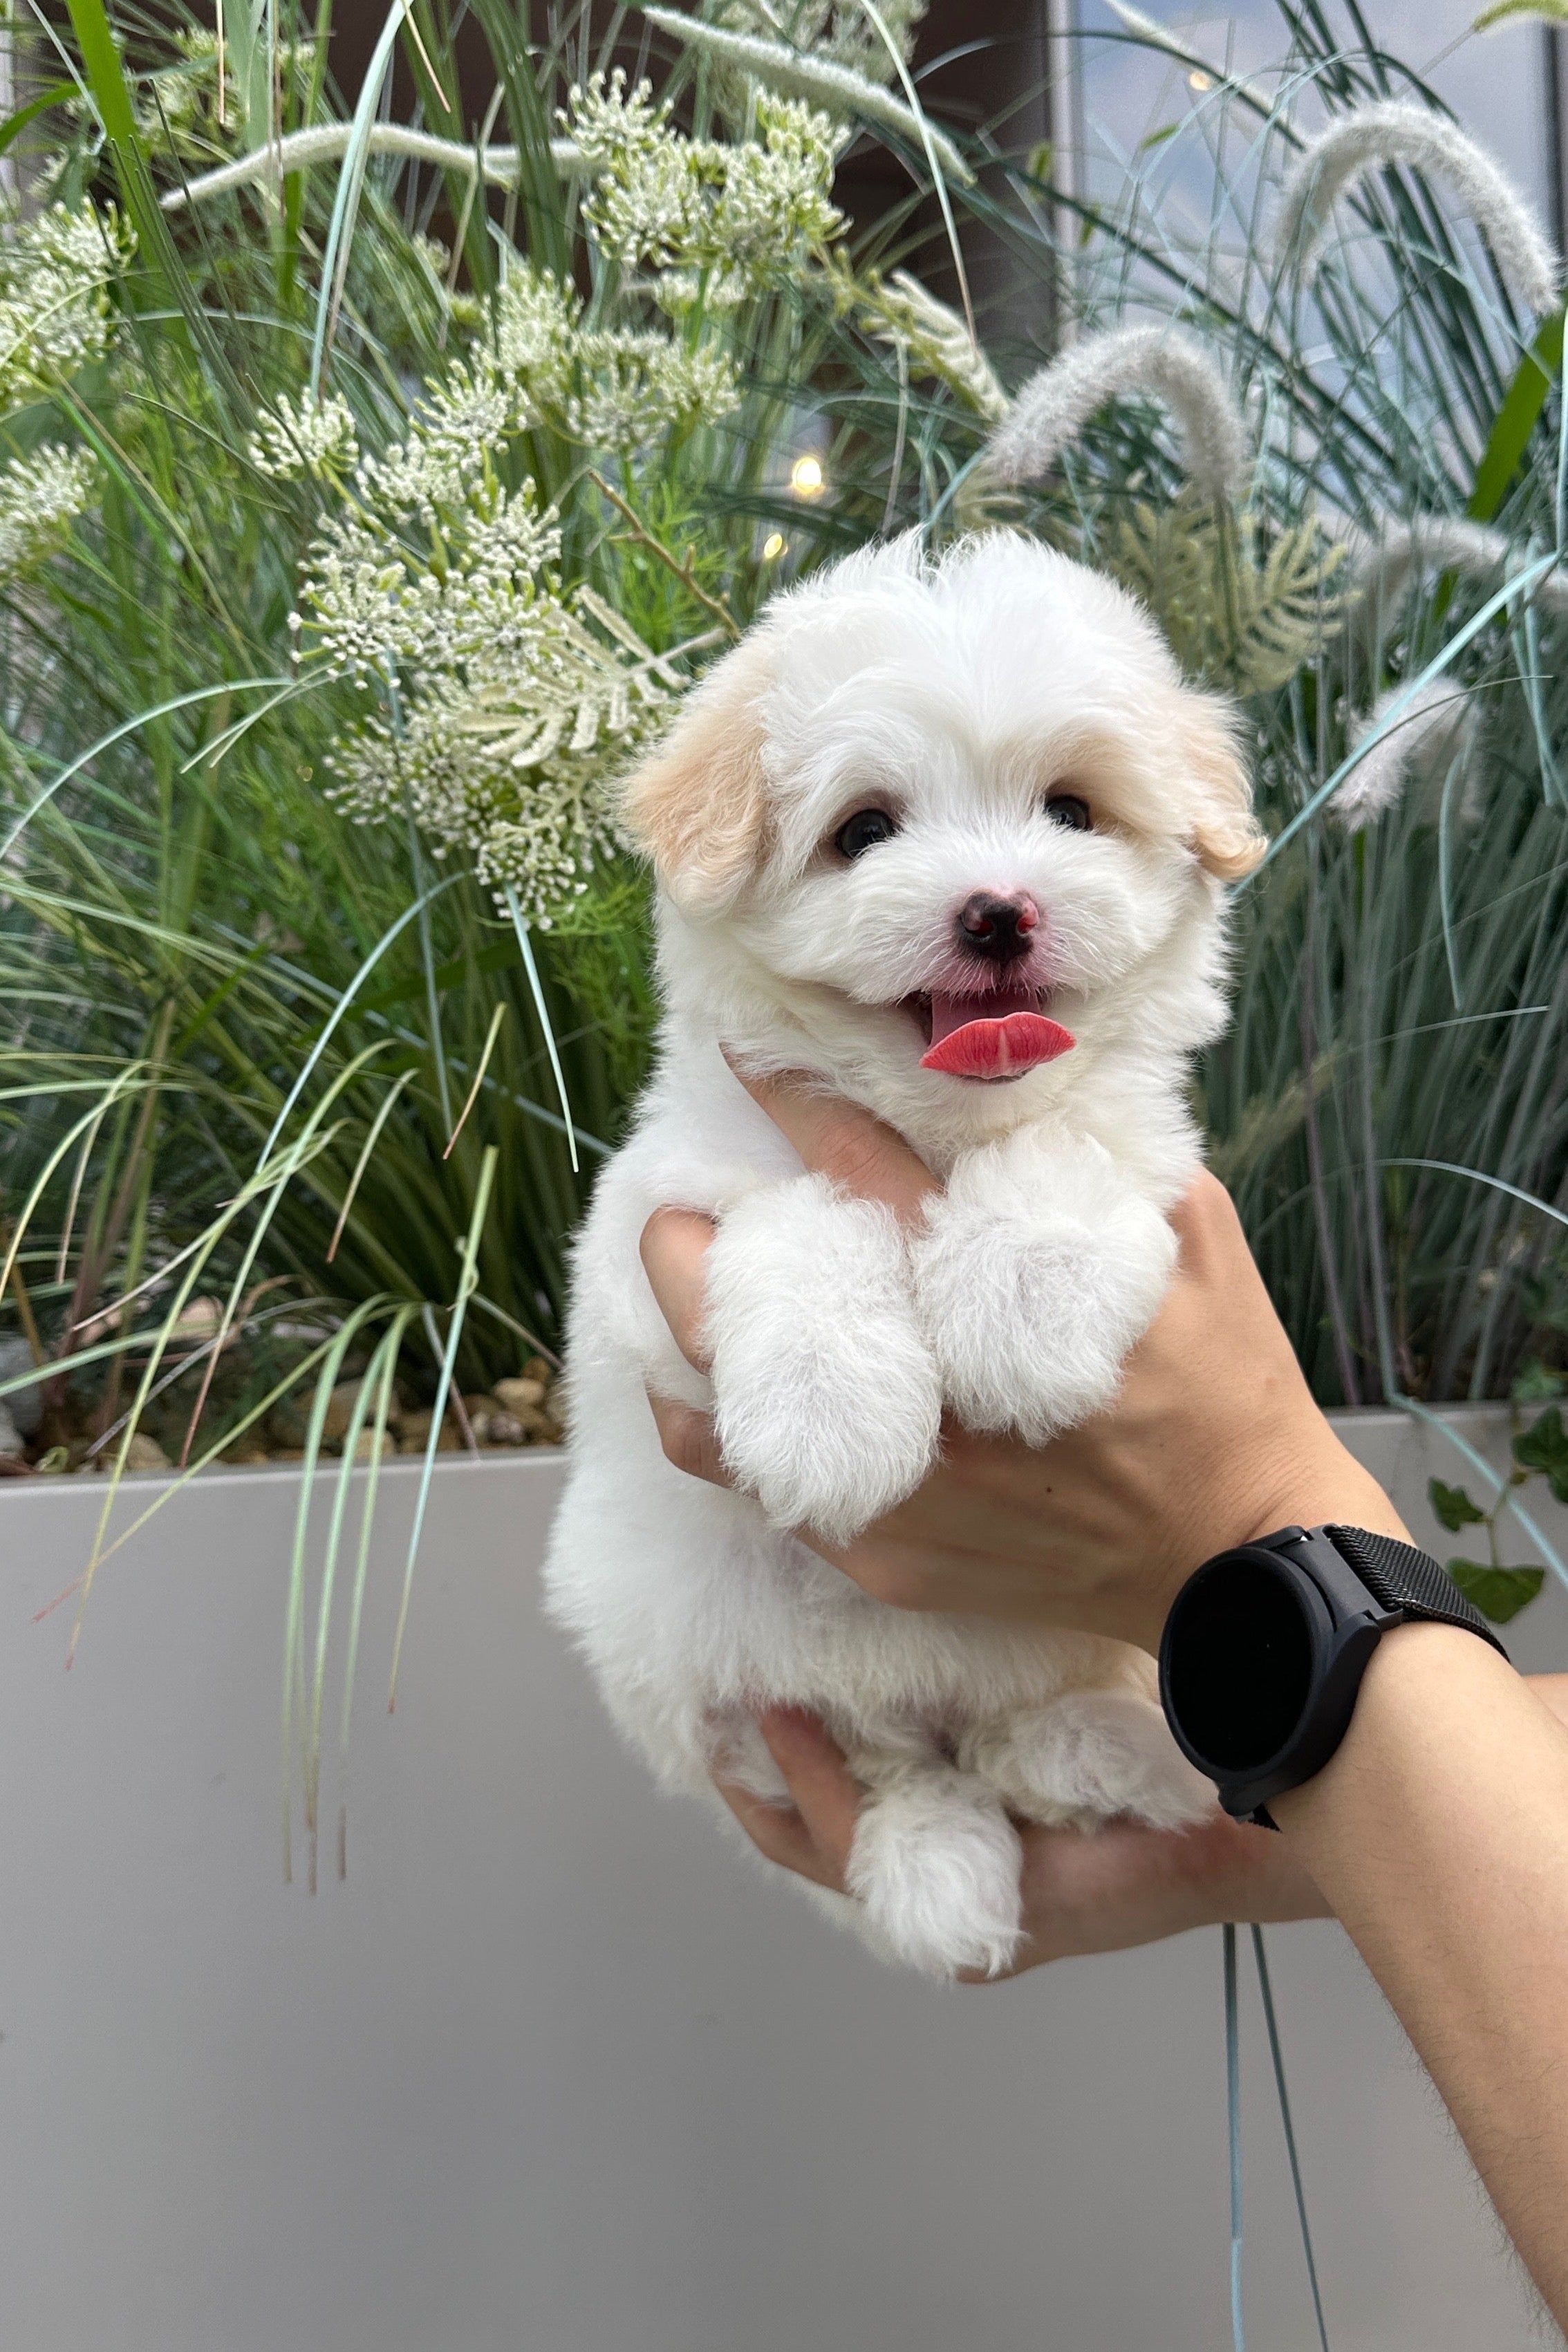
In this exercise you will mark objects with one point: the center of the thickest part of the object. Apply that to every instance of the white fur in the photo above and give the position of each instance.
(954, 695)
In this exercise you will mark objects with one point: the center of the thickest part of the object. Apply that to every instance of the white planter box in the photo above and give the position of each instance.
(553, 2071)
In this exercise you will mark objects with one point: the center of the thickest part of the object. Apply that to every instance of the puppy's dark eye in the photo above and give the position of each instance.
(863, 830)
(1067, 808)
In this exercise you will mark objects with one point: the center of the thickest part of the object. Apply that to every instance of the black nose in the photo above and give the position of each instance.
(999, 929)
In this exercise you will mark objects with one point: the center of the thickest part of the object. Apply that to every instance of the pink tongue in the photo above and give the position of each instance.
(995, 1036)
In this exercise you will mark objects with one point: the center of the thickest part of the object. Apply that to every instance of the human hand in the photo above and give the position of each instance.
(1126, 1885)
(1212, 1441)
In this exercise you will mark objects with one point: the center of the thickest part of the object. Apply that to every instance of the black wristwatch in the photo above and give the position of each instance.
(1265, 1647)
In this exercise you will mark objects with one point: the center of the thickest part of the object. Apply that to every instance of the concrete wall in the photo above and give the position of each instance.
(554, 2071)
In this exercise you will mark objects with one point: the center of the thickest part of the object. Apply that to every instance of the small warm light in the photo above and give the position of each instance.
(773, 547)
(1199, 81)
(806, 479)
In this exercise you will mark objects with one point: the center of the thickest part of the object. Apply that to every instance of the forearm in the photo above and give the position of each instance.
(1438, 1835)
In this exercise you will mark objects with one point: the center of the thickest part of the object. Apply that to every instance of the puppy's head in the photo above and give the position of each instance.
(968, 802)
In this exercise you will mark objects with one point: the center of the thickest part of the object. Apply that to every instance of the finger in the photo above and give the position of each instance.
(827, 1796)
(777, 1832)
(840, 1140)
(688, 1439)
(673, 1248)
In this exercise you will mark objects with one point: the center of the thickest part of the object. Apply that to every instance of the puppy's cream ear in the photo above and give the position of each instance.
(1225, 832)
(699, 804)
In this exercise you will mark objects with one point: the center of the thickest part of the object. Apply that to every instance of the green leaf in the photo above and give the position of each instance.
(1498, 1593)
(100, 56)
(1543, 1446)
(1515, 420)
(1536, 1382)
(1452, 1506)
(15, 124)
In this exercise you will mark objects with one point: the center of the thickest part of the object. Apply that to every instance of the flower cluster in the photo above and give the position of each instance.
(305, 436)
(500, 703)
(40, 498)
(450, 451)
(55, 271)
(508, 704)
(717, 223)
(616, 388)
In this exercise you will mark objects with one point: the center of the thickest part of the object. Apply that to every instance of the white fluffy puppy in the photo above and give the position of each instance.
(949, 835)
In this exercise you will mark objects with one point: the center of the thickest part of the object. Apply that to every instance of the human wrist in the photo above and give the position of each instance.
(1320, 1482)
(1302, 1477)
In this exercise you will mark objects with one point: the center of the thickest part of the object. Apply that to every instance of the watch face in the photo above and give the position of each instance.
(1238, 1661)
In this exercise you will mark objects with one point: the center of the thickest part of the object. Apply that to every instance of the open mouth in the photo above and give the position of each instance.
(1001, 1034)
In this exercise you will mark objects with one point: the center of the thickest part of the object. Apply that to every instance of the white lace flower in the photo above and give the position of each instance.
(514, 705)
(640, 387)
(40, 498)
(741, 216)
(305, 436)
(612, 387)
(536, 333)
(55, 271)
(183, 99)
(1392, 131)
(500, 705)
(447, 447)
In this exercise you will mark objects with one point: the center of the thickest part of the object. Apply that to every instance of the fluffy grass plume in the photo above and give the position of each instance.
(1386, 569)
(1126, 361)
(328, 142)
(1394, 131)
(1432, 730)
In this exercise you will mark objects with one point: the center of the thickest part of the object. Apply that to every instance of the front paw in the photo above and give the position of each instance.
(1032, 1300)
(827, 1399)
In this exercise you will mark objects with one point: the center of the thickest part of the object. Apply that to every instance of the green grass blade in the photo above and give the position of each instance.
(117, 735)
(345, 999)
(467, 1285)
(536, 989)
(350, 181)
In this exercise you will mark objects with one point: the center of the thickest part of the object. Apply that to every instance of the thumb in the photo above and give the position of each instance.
(841, 1141)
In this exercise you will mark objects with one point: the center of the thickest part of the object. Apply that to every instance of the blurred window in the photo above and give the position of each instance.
(1127, 100)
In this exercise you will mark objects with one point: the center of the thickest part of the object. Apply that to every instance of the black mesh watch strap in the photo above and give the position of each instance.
(1399, 1577)
(1264, 1647)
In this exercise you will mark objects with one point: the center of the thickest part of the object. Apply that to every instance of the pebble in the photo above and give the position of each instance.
(415, 1433)
(520, 1396)
(143, 1453)
(340, 1412)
